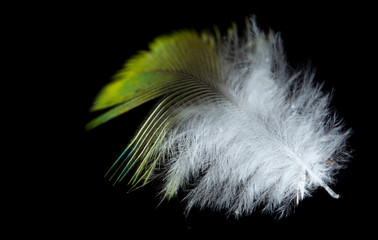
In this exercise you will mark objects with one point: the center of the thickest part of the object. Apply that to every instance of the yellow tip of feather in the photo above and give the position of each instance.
(149, 74)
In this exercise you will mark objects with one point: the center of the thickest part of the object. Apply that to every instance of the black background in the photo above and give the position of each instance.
(96, 39)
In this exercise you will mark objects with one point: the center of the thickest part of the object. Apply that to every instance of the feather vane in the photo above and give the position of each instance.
(235, 126)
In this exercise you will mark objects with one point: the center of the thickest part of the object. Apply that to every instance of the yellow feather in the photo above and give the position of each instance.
(151, 74)
(182, 66)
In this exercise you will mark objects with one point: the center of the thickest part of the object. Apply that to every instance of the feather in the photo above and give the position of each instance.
(236, 127)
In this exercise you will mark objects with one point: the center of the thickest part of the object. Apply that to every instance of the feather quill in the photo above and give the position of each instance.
(236, 127)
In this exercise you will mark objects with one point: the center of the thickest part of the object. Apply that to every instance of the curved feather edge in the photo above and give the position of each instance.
(151, 74)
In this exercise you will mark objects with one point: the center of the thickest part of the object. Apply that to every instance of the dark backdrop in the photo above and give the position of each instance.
(335, 40)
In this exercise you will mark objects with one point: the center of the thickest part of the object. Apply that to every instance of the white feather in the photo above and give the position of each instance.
(236, 129)
(272, 143)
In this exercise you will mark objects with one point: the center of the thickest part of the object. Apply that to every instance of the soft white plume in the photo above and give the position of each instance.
(272, 143)
(236, 128)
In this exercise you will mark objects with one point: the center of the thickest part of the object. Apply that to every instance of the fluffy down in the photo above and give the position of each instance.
(271, 143)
